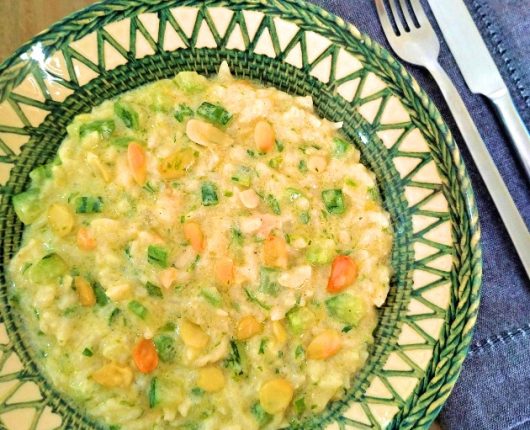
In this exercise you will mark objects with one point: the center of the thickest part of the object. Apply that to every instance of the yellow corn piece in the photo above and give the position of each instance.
(112, 375)
(192, 335)
(275, 395)
(211, 379)
(248, 326)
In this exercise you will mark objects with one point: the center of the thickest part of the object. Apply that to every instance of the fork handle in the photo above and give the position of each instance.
(514, 127)
(497, 188)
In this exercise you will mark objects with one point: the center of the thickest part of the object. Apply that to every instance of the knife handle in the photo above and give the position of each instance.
(514, 127)
(497, 188)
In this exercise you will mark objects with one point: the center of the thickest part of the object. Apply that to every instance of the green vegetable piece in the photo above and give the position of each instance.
(166, 347)
(236, 236)
(275, 162)
(299, 405)
(190, 82)
(300, 319)
(235, 360)
(169, 326)
(261, 416)
(113, 317)
(253, 299)
(346, 308)
(27, 205)
(273, 204)
(214, 113)
(334, 201)
(127, 114)
(197, 391)
(302, 166)
(40, 174)
(280, 146)
(320, 252)
(87, 352)
(262, 345)
(182, 112)
(101, 297)
(243, 176)
(88, 205)
(153, 394)
(268, 283)
(157, 256)
(153, 290)
(104, 127)
(212, 296)
(209, 194)
(340, 147)
(346, 328)
(48, 269)
(138, 309)
(299, 351)
(304, 217)
(123, 141)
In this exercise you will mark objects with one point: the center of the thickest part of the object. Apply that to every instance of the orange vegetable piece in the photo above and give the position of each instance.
(325, 345)
(224, 271)
(194, 235)
(137, 163)
(264, 136)
(344, 271)
(85, 240)
(145, 356)
(275, 252)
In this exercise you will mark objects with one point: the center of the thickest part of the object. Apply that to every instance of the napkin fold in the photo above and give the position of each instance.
(493, 391)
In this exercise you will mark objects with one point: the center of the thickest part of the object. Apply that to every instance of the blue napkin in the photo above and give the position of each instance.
(493, 391)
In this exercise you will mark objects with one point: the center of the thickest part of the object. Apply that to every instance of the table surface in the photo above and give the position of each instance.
(20, 20)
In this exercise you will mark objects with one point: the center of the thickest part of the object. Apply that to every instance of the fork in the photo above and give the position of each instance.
(416, 42)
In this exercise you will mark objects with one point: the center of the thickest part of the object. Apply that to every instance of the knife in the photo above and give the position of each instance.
(479, 70)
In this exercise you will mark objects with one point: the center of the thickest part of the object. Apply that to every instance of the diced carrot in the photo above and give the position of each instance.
(194, 235)
(224, 271)
(325, 345)
(264, 136)
(145, 356)
(275, 252)
(85, 291)
(85, 240)
(137, 162)
(168, 276)
(344, 271)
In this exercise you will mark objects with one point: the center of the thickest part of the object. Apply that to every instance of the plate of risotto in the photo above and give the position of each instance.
(227, 215)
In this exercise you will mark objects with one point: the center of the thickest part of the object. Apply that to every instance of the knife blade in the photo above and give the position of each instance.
(479, 70)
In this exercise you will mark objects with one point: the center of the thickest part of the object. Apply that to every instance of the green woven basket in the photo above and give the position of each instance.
(426, 324)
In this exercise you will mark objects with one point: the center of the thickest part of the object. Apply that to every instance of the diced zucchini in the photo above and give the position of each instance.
(320, 252)
(182, 111)
(101, 296)
(260, 415)
(27, 205)
(346, 308)
(153, 394)
(88, 205)
(190, 82)
(40, 174)
(209, 194)
(166, 348)
(138, 309)
(300, 319)
(153, 290)
(127, 114)
(104, 127)
(334, 201)
(215, 114)
(273, 204)
(212, 296)
(48, 269)
(340, 147)
(269, 281)
(157, 256)
(243, 176)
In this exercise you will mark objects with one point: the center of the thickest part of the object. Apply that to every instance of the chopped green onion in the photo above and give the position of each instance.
(269, 281)
(252, 298)
(182, 112)
(101, 297)
(87, 352)
(157, 256)
(260, 415)
(340, 147)
(334, 201)
(346, 328)
(214, 113)
(304, 217)
(279, 146)
(104, 127)
(243, 176)
(88, 205)
(209, 194)
(262, 345)
(273, 204)
(138, 309)
(153, 290)
(197, 391)
(299, 405)
(127, 114)
(236, 236)
(212, 296)
(114, 315)
(251, 153)
(302, 166)
(169, 326)
(275, 162)
(234, 361)
(165, 346)
(153, 393)
(299, 351)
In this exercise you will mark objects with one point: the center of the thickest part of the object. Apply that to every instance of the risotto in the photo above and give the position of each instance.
(202, 254)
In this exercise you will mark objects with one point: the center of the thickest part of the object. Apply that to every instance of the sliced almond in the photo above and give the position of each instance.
(205, 134)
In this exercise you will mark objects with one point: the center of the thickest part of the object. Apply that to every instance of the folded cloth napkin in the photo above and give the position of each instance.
(493, 391)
